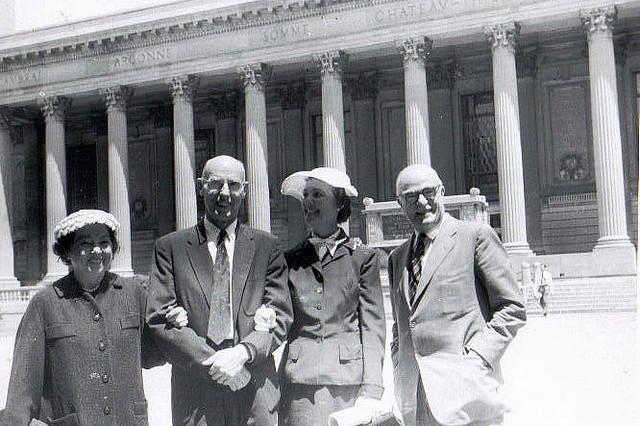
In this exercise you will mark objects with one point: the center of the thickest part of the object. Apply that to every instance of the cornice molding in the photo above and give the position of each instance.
(200, 25)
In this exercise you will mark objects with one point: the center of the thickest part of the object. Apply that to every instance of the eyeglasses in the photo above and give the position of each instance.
(428, 193)
(216, 185)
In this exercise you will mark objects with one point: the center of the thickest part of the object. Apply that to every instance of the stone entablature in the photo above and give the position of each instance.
(219, 40)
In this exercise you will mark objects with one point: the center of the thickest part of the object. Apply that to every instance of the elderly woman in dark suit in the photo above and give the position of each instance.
(335, 346)
(80, 345)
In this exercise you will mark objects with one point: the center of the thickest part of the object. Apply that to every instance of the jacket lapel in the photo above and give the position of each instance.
(200, 259)
(242, 261)
(400, 270)
(441, 246)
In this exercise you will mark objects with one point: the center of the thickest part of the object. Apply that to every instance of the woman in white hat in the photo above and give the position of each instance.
(335, 346)
(77, 357)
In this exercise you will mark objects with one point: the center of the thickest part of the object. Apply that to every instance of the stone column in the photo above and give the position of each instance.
(416, 105)
(7, 277)
(254, 77)
(510, 174)
(605, 119)
(116, 99)
(333, 143)
(53, 109)
(184, 154)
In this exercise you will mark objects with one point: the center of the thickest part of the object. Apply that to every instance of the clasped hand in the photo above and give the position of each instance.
(226, 367)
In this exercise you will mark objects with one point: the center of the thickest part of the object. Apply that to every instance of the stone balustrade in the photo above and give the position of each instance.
(387, 227)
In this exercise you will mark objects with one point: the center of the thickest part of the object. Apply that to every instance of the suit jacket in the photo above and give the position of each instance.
(467, 299)
(182, 273)
(337, 336)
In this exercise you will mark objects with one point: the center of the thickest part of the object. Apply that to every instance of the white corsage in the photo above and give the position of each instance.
(265, 319)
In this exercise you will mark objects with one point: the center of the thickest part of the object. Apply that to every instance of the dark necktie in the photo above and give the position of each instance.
(415, 266)
(219, 314)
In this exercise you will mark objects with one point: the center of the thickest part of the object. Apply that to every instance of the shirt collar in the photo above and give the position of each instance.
(331, 242)
(431, 233)
(213, 231)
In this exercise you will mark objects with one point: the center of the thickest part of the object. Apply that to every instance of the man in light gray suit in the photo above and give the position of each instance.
(456, 307)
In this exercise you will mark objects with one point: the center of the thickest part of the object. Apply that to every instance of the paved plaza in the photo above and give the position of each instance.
(572, 369)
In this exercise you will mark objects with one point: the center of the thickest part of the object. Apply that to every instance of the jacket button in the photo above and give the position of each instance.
(101, 346)
(105, 378)
(412, 324)
(97, 317)
(319, 290)
(318, 306)
(106, 410)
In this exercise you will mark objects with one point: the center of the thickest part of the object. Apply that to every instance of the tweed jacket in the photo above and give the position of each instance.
(338, 333)
(181, 274)
(467, 299)
(80, 356)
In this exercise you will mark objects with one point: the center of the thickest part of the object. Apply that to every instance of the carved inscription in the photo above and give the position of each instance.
(20, 78)
(434, 9)
(123, 61)
(286, 32)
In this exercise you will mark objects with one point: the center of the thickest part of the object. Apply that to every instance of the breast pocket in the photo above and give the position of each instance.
(131, 321)
(60, 331)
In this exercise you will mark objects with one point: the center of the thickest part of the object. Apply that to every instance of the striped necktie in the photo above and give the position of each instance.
(415, 266)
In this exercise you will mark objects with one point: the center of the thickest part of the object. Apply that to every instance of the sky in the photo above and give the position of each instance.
(30, 14)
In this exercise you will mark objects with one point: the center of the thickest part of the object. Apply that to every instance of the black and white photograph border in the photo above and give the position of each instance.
(528, 109)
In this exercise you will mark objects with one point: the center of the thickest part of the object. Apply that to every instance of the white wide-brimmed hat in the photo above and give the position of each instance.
(294, 184)
(82, 218)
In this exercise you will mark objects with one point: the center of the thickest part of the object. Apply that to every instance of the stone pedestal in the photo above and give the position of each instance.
(416, 106)
(53, 109)
(509, 150)
(7, 277)
(184, 156)
(254, 77)
(607, 144)
(116, 99)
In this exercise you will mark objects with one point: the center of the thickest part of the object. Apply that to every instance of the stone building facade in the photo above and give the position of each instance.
(534, 102)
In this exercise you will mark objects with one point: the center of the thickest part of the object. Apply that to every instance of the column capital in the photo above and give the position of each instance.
(183, 86)
(598, 20)
(54, 107)
(255, 75)
(503, 35)
(116, 97)
(415, 49)
(331, 62)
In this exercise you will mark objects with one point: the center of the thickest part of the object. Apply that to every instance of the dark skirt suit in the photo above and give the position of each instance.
(77, 358)
(335, 346)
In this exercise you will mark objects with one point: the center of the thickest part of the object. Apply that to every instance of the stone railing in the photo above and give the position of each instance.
(15, 300)
(387, 227)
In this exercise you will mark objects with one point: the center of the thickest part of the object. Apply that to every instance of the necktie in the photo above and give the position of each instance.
(415, 266)
(219, 313)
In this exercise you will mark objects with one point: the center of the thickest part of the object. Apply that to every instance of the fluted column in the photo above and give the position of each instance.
(116, 99)
(7, 277)
(53, 109)
(254, 77)
(184, 154)
(416, 101)
(510, 173)
(333, 144)
(605, 119)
